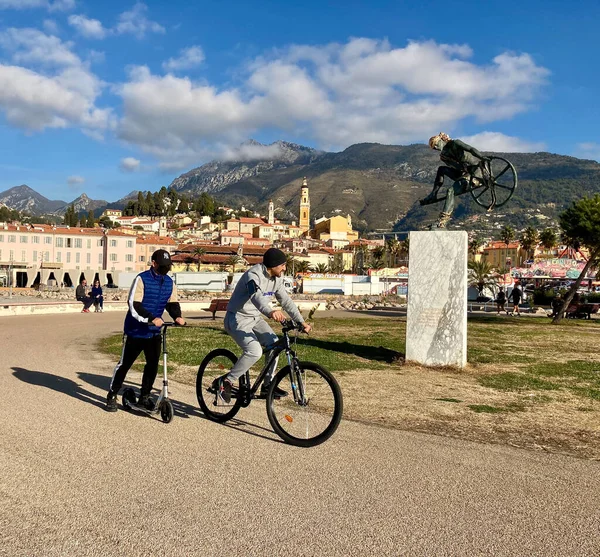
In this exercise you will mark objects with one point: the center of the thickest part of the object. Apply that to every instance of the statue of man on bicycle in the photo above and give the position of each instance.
(462, 168)
(491, 181)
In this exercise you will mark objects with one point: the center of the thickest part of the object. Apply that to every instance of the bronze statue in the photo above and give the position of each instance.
(490, 180)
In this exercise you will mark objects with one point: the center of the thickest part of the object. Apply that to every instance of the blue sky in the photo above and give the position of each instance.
(108, 97)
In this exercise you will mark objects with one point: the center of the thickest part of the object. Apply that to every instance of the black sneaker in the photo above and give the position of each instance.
(111, 402)
(146, 401)
(278, 393)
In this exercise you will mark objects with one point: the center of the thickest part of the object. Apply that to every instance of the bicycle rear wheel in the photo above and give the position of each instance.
(499, 182)
(215, 364)
(312, 414)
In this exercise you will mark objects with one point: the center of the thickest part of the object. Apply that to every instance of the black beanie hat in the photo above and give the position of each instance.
(273, 257)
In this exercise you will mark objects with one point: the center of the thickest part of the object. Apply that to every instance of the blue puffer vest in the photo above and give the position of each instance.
(157, 291)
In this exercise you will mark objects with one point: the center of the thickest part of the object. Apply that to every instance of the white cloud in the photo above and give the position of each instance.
(50, 26)
(588, 150)
(89, 28)
(56, 6)
(251, 152)
(500, 143)
(58, 91)
(62, 5)
(129, 164)
(136, 23)
(75, 180)
(336, 94)
(22, 4)
(188, 58)
(31, 46)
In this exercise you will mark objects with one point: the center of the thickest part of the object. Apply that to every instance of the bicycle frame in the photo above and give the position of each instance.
(283, 345)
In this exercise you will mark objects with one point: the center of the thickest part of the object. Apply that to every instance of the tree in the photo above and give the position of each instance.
(150, 204)
(482, 275)
(142, 206)
(404, 249)
(198, 252)
(475, 245)
(320, 268)
(337, 264)
(70, 216)
(233, 261)
(507, 235)
(529, 240)
(548, 238)
(581, 224)
(393, 248)
(188, 262)
(302, 266)
(90, 220)
(105, 222)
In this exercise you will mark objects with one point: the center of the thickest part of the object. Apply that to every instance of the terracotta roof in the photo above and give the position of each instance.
(502, 245)
(47, 229)
(162, 240)
(251, 220)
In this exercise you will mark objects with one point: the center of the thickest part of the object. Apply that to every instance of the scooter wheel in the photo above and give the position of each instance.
(129, 398)
(166, 411)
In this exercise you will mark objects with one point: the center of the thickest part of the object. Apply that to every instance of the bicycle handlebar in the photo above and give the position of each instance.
(291, 325)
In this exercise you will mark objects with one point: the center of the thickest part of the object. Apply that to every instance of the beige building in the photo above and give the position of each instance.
(336, 232)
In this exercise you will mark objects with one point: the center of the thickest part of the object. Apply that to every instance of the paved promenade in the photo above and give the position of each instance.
(78, 481)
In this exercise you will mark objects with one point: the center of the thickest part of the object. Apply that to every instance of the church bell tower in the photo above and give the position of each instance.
(304, 206)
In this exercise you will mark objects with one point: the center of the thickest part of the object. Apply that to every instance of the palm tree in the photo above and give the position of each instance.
(393, 248)
(404, 248)
(188, 261)
(232, 261)
(507, 235)
(320, 268)
(474, 245)
(302, 266)
(482, 275)
(198, 252)
(548, 239)
(529, 240)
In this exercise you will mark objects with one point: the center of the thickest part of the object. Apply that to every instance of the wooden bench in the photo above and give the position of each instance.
(582, 311)
(217, 305)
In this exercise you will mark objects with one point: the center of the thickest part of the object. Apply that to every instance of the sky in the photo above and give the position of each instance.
(114, 96)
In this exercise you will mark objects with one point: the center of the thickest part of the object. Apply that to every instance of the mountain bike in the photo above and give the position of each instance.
(307, 416)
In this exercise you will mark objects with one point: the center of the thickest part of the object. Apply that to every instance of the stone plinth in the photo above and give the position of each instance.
(436, 323)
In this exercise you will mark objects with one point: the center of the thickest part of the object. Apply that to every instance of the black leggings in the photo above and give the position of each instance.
(132, 348)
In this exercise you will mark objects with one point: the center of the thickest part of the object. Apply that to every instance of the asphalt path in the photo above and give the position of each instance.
(78, 481)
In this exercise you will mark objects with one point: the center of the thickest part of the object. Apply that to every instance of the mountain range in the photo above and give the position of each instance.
(378, 185)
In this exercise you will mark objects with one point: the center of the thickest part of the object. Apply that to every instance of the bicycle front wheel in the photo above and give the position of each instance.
(312, 409)
(215, 364)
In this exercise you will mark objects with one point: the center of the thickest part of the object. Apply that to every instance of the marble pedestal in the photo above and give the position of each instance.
(436, 323)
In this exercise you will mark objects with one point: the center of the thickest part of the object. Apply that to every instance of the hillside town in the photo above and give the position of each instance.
(43, 255)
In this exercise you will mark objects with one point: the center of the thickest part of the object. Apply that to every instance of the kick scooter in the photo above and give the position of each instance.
(163, 404)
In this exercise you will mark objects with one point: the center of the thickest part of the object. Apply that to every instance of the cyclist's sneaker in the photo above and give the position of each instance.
(111, 402)
(146, 401)
(278, 393)
(223, 388)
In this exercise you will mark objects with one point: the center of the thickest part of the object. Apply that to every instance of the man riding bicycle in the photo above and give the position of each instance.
(250, 300)
(463, 167)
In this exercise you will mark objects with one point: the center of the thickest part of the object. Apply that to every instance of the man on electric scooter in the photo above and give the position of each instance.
(151, 293)
(251, 300)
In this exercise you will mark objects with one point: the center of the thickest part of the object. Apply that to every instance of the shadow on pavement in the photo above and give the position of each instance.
(58, 384)
(180, 409)
(378, 353)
